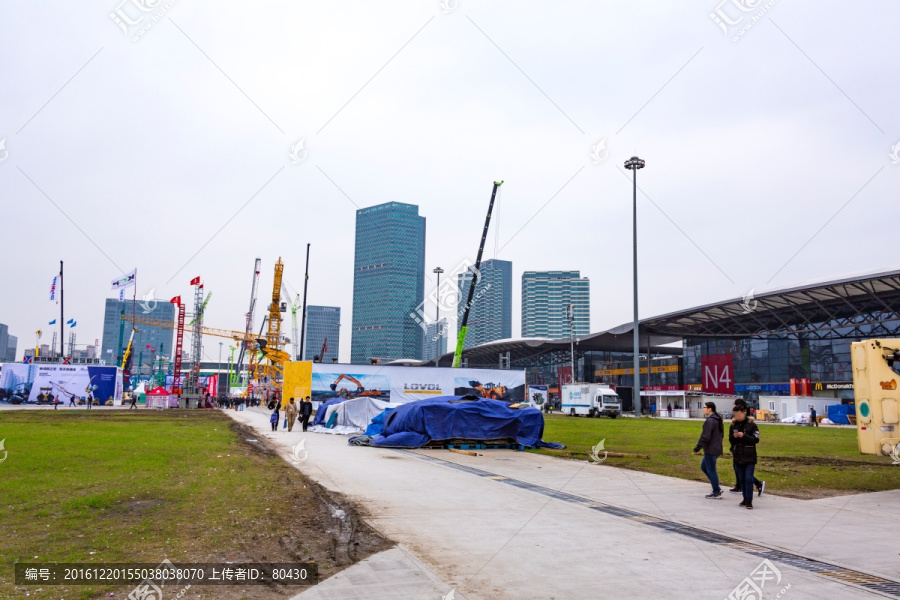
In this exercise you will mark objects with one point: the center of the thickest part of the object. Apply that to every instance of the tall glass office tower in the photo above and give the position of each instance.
(388, 283)
(323, 329)
(490, 317)
(545, 295)
(159, 338)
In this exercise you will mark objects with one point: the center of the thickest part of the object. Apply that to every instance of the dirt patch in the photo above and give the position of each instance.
(322, 527)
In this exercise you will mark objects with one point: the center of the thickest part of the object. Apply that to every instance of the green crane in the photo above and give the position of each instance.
(463, 324)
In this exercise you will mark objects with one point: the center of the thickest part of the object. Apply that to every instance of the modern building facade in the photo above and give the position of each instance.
(323, 330)
(545, 297)
(158, 338)
(7, 344)
(490, 317)
(435, 342)
(388, 283)
(793, 341)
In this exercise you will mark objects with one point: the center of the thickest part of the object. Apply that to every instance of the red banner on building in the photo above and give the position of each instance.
(718, 373)
(565, 375)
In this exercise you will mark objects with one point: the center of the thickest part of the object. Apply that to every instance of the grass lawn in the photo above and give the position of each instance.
(141, 486)
(802, 462)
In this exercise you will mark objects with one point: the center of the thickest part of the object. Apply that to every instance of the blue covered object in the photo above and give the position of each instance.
(837, 413)
(376, 425)
(455, 417)
(323, 408)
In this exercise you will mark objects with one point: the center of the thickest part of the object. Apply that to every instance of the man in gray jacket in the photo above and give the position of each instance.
(711, 443)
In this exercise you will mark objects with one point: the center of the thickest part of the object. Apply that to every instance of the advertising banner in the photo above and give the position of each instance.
(47, 383)
(718, 373)
(402, 384)
(538, 395)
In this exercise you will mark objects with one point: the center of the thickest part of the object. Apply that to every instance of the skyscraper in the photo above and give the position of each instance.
(435, 340)
(323, 324)
(490, 317)
(5, 343)
(11, 348)
(545, 295)
(388, 282)
(159, 338)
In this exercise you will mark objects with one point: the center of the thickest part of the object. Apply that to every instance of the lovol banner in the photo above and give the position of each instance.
(46, 384)
(402, 384)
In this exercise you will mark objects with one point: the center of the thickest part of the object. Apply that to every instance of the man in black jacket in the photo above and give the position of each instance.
(744, 436)
(711, 443)
(305, 412)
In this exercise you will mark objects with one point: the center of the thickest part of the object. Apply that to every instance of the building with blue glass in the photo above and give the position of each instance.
(158, 338)
(545, 296)
(388, 283)
(323, 330)
(490, 317)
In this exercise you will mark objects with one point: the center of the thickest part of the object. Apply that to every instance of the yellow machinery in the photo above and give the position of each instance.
(875, 386)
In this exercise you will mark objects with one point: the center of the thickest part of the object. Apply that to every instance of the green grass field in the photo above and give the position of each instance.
(802, 462)
(142, 486)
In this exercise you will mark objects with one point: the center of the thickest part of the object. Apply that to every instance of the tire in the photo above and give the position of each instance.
(612, 415)
(593, 413)
(571, 412)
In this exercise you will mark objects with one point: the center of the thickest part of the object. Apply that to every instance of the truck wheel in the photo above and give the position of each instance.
(593, 413)
(571, 412)
(612, 415)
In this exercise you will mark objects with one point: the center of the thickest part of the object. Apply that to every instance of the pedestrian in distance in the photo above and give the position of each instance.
(133, 401)
(812, 417)
(71, 399)
(305, 412)
(653, 409)
(760, 486)
(669, 410)
(744, 437)
(711, 443)
(90, 401)
(290, 412)
(273, 419)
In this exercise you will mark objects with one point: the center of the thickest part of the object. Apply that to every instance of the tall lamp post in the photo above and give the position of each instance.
(633, 164)
(570, 315)
(437, 320)
(219, 371)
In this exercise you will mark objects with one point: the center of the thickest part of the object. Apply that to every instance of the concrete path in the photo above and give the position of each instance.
(515, 525)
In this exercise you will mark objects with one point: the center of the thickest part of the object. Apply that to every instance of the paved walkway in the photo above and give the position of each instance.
(515, 525)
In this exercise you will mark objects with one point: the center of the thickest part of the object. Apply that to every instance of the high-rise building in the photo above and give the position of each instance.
(11, 348)
(5, 343)
(323, 328)
(435, 340)
(388, 282)
(545, 296)
(490, 317)
(159, 338)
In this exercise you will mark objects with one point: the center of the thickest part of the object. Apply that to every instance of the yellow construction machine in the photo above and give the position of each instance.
(875, 386)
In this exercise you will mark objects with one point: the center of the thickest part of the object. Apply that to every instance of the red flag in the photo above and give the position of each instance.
(175, 300)
(195, 280)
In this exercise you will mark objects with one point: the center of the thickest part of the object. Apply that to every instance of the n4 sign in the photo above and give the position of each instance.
(718, 373)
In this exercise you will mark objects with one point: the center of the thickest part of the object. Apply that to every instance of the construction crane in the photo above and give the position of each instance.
(295, 337)
(274, 356)
(249, 326)
(463, 324)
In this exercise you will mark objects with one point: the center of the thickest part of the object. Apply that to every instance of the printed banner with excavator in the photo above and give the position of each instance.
(403, 384)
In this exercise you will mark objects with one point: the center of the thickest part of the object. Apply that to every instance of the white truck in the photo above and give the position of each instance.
(590, 399)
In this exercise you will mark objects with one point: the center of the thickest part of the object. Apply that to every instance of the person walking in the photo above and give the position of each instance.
(669, 411)
(71, 399)
(305, 412)
(133, 401)
(90, 401)
(812, 417)
(744, 437)
(290, 412)
(273, 419)
(760, 486)
(711, 443)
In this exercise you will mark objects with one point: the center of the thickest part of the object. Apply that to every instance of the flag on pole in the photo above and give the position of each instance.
(73, 323)
(122, 295)
(53, 322)
(53, 290)
(195, 280)
(69, 322)
(125, 281)
(175, 300)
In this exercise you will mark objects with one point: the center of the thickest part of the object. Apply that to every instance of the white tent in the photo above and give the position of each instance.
(353, 416)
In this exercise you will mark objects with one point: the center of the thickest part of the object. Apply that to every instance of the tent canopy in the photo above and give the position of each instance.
(159, 391)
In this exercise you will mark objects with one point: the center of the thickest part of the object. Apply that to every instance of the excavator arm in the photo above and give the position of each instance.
(351, 380)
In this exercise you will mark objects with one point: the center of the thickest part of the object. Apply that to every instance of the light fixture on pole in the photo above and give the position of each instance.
(633, 164)
(437, 320)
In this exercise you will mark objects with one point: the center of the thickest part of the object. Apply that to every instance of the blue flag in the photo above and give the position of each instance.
(69, 322)
(53, 322)
(74, 323)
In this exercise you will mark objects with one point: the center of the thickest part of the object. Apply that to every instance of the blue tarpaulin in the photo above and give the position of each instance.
(376, 425)
(837, 413)
(417, 423)
(323, 408)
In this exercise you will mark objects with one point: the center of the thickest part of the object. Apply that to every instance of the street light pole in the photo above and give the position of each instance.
(633, 164)
(570, 315)
(437, 321)
(219, 372)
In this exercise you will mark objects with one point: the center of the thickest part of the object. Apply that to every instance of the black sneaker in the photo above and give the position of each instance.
(744, 503)
(760, 489)
(714, 496)
(749, 506)
(735, 490)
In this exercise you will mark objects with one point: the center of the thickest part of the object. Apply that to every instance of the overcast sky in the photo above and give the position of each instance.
(768, 158)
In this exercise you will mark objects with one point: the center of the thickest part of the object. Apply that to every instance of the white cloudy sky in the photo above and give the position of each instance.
(171, 153)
